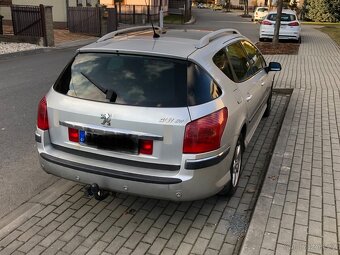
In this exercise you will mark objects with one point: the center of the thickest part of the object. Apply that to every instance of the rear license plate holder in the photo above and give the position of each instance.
(112, 142)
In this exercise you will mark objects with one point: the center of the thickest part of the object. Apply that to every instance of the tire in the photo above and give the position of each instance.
(269, 104)
(235, 169)
(299, 40)
(261, 39)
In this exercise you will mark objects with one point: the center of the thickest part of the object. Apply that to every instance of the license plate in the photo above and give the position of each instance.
(119, 143)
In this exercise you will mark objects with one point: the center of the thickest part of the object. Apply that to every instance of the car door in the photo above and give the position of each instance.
(247, 83)
(261, 78)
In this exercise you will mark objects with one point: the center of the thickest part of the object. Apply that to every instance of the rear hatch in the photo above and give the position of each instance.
(287, 20)
(124, 106)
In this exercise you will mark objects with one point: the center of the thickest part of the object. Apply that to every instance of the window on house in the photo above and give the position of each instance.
(79, 2)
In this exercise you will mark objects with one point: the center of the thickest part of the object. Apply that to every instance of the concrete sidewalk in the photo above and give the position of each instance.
(298, 210)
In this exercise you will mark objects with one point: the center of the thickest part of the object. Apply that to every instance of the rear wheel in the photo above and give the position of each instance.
(235, 169)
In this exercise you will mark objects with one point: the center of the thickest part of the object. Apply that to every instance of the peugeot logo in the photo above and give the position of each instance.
(106, 117)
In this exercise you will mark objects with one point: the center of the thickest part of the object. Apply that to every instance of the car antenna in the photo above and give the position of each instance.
(155, 35)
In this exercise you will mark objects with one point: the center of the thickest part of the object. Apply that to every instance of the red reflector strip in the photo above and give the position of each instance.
(73, 135)
(146, 147)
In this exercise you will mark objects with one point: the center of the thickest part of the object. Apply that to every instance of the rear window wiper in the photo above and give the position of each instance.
(111, 95)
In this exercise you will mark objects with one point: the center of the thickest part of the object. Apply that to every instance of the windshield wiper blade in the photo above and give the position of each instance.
(110, 94)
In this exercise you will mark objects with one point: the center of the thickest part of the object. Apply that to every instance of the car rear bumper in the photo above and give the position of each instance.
(196, 179)
(283, 35)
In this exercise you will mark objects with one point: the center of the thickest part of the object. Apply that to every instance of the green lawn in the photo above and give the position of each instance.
(333, 31)
(173, 19)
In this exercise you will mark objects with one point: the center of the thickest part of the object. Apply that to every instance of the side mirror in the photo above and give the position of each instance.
(274, 67)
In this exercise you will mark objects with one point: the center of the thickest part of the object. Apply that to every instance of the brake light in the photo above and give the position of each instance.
(73, 135)
(42, 119)
(266, 22)
(146, 147)
(205, 134)
(256, 13)
(294, 24)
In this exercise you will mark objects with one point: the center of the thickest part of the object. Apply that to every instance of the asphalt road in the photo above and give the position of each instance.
(212, 20)
(24, 80)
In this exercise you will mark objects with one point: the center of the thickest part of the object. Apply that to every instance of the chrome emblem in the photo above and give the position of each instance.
(106, 117)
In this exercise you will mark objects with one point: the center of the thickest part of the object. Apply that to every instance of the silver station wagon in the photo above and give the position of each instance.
(157, 114)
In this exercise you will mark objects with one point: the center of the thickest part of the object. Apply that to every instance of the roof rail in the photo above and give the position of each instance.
(205, 40)
(126, 31)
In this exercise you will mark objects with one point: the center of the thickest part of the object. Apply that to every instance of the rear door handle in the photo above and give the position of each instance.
(249, 97)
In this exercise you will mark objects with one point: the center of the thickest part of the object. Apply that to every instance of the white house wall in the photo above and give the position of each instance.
(6, 12)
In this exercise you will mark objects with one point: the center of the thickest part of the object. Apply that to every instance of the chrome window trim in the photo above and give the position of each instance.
(103, 130)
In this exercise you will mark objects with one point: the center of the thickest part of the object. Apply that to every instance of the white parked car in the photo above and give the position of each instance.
(165, 116)
(260, 13)
(290, 28)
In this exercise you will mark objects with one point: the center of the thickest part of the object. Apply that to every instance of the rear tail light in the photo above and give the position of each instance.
(256, 13)
(205, 134)
(42, 120)
(294, 24)
(73, 135)
(266, 22)
(146, 147)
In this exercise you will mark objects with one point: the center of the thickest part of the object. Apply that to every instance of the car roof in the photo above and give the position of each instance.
(173, 43)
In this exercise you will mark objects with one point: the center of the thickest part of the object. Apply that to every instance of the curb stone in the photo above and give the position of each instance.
(254, 237)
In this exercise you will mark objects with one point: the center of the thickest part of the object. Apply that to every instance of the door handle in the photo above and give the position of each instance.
(249, 97)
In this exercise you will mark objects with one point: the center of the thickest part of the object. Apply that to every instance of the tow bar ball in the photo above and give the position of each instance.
(94, 190)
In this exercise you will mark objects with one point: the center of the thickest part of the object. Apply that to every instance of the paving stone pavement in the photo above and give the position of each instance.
(298, 210)
(63, 221)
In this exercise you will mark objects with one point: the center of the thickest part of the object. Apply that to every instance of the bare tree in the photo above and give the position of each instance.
(246, 8)
(278, 22)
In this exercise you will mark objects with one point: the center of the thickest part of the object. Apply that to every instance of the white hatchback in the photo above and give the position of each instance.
(260, 13)
(290, 28)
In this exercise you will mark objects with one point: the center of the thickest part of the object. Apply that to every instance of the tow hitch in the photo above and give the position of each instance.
(94, 190)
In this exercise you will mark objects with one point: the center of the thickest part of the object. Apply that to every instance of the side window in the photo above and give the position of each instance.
(239, 61)
(222, 62)
(256, 59)
(201, 87)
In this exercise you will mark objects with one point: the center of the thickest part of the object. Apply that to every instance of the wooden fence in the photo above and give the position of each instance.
(28, 20)
(86, 20)
(137, 14)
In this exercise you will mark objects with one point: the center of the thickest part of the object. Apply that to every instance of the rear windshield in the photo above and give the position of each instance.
(284, 17)
(262, 9)
(136, 80)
